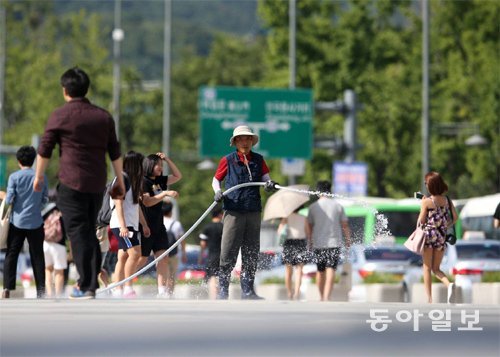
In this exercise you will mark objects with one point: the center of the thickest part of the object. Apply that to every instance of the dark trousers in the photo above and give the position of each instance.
(15, 243)
(240, 230)
(79, 211)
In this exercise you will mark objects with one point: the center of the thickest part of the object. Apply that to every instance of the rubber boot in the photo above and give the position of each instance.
(224, 280)
(247, 288)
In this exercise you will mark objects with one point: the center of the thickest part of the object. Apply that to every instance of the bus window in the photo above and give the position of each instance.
(357, 227)
(401, 224)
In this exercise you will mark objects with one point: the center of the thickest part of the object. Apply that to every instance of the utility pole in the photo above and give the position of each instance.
(292, 55)
(166, 77)
(3, 48)
(425, 89)
(117, 39)
(292, 65)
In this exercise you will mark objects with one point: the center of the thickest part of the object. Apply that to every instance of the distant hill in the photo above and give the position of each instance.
(194, 23)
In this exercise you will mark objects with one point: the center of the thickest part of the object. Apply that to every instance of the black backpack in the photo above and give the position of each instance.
(104, 215)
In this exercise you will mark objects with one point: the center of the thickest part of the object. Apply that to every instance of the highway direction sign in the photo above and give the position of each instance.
(282, 118)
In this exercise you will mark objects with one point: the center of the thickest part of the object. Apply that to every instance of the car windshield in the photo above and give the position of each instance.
(478, 251)
(388, 254)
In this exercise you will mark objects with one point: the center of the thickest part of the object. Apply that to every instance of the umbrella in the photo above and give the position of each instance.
(283, 203)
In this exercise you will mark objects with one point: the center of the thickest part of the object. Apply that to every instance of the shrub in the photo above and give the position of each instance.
(434, 279)
(491, 277)
(382, 278)
(273, 280)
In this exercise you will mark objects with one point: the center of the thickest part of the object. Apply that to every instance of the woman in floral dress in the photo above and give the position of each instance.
(435, 219)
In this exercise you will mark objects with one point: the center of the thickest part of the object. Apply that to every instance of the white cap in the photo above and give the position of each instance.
(243, 130)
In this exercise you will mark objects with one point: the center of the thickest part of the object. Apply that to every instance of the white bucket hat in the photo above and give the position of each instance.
(243, 130)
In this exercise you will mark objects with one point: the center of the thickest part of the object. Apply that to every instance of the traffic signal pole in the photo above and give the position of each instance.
(348, 107)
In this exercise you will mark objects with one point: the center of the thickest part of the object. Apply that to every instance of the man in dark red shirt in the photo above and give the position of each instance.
(85, 133)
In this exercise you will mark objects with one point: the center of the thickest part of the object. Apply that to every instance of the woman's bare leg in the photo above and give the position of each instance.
(427, 268)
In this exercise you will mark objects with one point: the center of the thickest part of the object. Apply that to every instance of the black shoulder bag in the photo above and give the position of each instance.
(451, 235)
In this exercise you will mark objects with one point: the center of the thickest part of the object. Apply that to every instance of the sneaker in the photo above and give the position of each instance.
(82, 295)
(116, 293)
(451, 293)
(130, 295)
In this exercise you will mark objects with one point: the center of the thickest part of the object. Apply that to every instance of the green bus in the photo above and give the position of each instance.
(392, 220)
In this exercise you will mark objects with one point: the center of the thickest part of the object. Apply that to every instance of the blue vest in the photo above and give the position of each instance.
(246, 199)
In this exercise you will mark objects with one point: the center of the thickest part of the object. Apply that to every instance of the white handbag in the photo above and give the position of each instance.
(4, 223)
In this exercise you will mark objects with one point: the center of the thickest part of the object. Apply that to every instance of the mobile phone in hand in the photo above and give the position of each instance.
(418, 195)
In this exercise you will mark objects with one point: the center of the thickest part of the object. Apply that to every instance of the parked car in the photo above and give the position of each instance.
(192, 269)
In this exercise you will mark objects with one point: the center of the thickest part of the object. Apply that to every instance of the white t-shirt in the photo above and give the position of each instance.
(176, 226)
(130, 212)
(326, 216)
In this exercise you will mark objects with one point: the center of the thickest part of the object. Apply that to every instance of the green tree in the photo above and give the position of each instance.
(466, 89)
(40, 46)
(374, 48)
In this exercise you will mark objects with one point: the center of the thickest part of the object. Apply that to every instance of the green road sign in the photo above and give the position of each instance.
(282, 119)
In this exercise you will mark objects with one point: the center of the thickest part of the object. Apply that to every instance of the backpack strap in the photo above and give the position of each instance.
(171, 224)
(126, 180)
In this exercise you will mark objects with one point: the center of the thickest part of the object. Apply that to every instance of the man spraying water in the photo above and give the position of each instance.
(242, 210)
